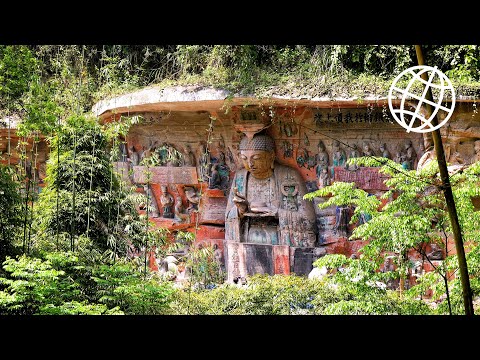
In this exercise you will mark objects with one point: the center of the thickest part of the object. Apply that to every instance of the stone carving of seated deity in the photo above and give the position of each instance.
(266, 201)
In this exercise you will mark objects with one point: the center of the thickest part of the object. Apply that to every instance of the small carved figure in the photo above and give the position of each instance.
(215, 181)
(189, 158)
(354, 153)
(339, 155)
(436, 253)
(287, 129)
(204, 163)
(148, 151)
(123, 155)
(399, 158)
(384, 151)
(289, 191)
(367, 150)
(410, 156)
(218, 255)
(287, 149)
(230, 159)
(417, 270)
(152, 202)
(324, 179)
(321, 159)
(476, 148)
(134, 156)
(342, 218)
(180, 214)
(192, 197)
(167, 203)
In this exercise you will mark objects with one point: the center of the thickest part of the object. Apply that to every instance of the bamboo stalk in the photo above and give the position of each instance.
(447, 191)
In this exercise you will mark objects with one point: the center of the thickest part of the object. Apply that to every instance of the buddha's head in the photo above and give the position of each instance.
(258, 155)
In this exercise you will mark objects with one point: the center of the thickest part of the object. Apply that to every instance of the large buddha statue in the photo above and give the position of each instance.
(265, 204)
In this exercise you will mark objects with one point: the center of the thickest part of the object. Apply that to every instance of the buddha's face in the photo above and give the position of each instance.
(258, 162)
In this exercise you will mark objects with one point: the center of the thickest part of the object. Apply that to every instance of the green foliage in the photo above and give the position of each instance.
(383, 60)
(120, 285)
(41, 110)
(19, 68)
(63, 284)
(33, 284)
(76, 76)
(415, 215)
(79, 308)
(10, 216)
(345, 292)
(263, 295)
(358, 289)
(204, 270)
(92, 204)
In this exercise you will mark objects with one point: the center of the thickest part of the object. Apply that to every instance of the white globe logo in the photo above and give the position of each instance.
(441, 88)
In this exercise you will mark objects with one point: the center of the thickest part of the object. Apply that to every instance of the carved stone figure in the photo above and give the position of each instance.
(287, 147)
(230, 159)
(223, 171)
(387, 267)
(218, 256)
(215, 181)
(384, 151)
(192, 197)
(421, 150)
(189, 158)
(436, 253)
(167, 203)
(148, 151)
(476, 148)
(152, 202)
(180, 214)
(399, 157)
(410, 156)
(134, 156)
(354, 153)
(342, 218)
(324, 179)
(204, 163)
(367, 150)
(123, 155)
(417, 270)
(322, 160)
(288, 129)
(266, 198)
(339, 155)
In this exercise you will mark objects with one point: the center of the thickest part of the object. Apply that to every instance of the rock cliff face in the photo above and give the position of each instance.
(309, 134)
(193, 134)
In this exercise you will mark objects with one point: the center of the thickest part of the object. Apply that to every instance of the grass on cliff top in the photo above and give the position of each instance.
(263, 84)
